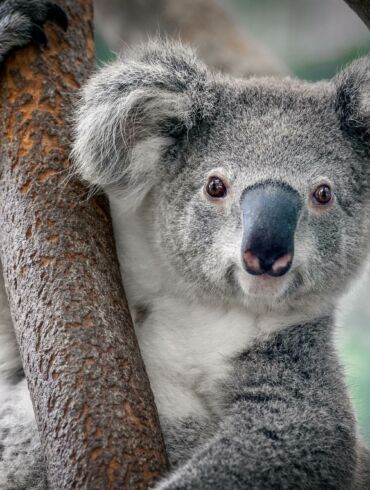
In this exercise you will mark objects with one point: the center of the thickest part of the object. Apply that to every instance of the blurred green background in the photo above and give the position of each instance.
(315, 38)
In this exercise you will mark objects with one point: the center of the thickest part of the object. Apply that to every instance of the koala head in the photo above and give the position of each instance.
(255, 191)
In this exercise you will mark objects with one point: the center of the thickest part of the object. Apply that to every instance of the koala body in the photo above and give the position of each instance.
(241, 215)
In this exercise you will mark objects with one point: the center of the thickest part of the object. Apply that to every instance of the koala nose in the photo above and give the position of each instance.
(259, 264)
(270, 216)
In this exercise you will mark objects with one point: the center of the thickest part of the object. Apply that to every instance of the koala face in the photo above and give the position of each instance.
(269, 200)
(257, 191)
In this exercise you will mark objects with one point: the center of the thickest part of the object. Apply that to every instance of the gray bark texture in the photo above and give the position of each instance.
(362, 9)
(93, 403)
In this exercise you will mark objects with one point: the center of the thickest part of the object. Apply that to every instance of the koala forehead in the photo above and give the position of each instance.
(285, 130)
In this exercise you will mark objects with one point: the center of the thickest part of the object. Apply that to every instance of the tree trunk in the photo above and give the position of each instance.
(362, 9)
(94, 407)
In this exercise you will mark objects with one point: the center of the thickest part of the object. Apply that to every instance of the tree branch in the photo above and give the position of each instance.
(92, 399)
(362, 9)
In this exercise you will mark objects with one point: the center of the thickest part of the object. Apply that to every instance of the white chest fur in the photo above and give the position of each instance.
(187, 350)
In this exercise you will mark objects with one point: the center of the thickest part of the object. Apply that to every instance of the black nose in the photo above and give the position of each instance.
(270, 215)
(259, 264)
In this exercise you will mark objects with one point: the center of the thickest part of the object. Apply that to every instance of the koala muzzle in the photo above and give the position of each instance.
(270, 216)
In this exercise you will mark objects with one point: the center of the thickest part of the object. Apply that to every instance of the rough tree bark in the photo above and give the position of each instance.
(362, 9)
(94, 407)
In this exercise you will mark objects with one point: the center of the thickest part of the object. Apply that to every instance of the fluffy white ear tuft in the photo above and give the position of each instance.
(133, 110)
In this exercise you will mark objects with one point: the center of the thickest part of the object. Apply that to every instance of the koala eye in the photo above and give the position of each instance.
(216, 188)
(323, 194)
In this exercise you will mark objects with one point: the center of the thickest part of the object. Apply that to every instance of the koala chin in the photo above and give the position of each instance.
(241, 212)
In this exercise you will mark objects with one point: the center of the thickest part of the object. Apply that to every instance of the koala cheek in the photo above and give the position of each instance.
(305, 249)
(224, 252)
(231, 244)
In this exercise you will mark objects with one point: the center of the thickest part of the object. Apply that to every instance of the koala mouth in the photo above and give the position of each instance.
(264, 286)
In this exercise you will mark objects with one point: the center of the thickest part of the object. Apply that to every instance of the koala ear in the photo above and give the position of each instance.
(134, 109)
(353, 103)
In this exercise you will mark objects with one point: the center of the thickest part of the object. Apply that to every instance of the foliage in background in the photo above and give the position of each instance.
(353, 340)
(103, 53)
(327, 68)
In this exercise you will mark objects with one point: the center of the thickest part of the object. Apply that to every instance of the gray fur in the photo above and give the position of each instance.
(185, 437)
(22, 465)
(287, 421)
(21, 23)
(21, 462)
(149, 130)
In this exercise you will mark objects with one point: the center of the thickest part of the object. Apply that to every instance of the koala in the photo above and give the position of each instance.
(241, 216)
(241, 213)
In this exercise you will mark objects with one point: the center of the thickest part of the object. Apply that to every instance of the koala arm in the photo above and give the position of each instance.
(21, 22)
(289, 424)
